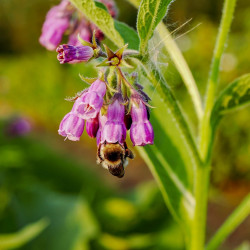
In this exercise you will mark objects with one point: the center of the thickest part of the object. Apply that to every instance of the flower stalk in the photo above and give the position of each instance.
(198, 229)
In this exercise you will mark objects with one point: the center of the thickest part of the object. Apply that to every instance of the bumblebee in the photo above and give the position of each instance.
(113, 156)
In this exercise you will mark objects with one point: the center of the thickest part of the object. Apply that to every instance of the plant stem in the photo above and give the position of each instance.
(238, 215)
(198, 230)
(182, 68)
(225, 24)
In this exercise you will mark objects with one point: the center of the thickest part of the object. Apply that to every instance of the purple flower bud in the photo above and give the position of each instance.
(114, 130)
(141, 131)
(71, 127)
(56, 23)
(68, 53)
(90, 103)
(92, 126)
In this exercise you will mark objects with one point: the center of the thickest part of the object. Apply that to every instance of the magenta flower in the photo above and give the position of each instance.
(69, 53)
(89, 104)
(71, 127)
(141, 131)
(114, 129)
(56, 23)
(92, 126)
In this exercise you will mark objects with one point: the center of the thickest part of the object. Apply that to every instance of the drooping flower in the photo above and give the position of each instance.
(114, 129)
(56, 23)
(141, 131)
(92, 126)
(69, 53)
(71, 127)
(90, 103)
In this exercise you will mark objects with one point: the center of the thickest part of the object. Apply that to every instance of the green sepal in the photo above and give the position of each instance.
(83, 42)
(104, 63)
(87, 79)
(119, 52)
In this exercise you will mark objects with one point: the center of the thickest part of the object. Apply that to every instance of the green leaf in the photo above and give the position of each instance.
(101, 18)
(166, 162)
(128, 34)
(150, 13)
(170, 160)
(16, 240)
(236, 95)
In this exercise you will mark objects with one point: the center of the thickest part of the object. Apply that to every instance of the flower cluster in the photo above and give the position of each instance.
(113, 104)
(108, 123)
(109, 113)
(65, 18)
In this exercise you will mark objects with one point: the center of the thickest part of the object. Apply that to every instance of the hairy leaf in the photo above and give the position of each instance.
(101, 18)
(233, 97)
(150, 13)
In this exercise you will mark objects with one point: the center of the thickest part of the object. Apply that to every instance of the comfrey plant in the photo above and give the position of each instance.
(179, 158)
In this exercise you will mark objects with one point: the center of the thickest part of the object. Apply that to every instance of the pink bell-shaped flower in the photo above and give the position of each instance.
(141, 131)
(89, 104)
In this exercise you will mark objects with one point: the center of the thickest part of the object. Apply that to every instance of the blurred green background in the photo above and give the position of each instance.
(53, 195)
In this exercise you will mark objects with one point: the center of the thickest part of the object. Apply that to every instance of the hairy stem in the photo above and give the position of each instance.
(205, 133)
(198, 230)
(234, 220)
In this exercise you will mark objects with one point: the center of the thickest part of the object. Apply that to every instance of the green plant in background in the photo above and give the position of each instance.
(181, 165)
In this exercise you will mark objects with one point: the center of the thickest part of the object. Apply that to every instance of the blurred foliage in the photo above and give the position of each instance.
(37, 180)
